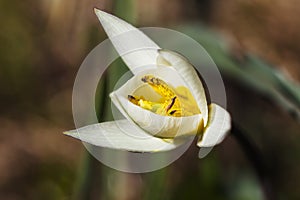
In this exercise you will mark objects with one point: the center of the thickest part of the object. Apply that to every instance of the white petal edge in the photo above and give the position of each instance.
(219, 124)
(118, 135)
(189, 75)
(127, 38)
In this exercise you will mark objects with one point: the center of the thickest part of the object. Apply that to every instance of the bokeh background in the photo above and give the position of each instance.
(256, 45)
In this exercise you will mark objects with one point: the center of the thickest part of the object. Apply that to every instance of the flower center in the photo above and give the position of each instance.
(176, 102)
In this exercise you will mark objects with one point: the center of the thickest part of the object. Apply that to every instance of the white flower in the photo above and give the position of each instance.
(163, 103)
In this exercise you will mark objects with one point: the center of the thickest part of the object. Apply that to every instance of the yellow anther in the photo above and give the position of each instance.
(159, 86)
(175, 102)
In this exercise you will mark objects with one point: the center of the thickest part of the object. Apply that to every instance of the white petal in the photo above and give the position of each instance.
(158, 125)
(219, 124)
(122, 135)
(126, 38)
(189, 75)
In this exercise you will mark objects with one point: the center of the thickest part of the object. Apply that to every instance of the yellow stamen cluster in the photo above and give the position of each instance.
(175, 102)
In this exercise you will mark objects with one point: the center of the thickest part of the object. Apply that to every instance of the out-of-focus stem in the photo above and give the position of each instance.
(256, 159)
(87, 185)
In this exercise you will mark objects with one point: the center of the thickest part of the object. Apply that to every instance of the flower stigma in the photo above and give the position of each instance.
(176, 102)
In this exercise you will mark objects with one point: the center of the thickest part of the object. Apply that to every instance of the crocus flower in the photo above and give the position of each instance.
(163, 103)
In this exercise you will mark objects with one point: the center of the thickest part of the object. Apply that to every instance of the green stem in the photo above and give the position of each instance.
(92, 174)
(87, 185)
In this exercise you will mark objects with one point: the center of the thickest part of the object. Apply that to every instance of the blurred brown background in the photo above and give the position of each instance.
(42, 44)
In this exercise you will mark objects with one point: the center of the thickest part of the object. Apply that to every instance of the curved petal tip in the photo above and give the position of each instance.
(219, 124)
(136, 49)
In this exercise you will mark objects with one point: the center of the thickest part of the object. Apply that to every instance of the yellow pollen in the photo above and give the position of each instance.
(176, 102)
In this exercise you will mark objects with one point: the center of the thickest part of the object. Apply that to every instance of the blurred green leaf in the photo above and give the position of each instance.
(126, 10)
(251, 71)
